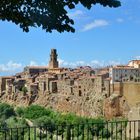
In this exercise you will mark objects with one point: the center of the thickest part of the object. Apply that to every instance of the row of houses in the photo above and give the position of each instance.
(78, 81)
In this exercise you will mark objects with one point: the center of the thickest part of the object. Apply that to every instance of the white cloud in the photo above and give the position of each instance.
(62, 62)
(120, 20)
(11, 67)
(113, 63)
(80, 63)
(95, 24)
(97, 63)
(76, 14)
(93, 63)
(137, 57)
(33, 63)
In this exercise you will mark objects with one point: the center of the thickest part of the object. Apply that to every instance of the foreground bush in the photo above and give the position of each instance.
(35, 111)
(6, 111)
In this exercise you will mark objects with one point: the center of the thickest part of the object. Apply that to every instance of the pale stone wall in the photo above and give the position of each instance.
(117, 88)
(131, 91)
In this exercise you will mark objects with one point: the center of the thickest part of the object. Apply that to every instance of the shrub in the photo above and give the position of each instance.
(35, 111)
(14, 122)
(106, 133)
(6, 111)
(20, 111)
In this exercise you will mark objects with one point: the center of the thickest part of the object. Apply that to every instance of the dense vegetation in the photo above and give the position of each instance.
(47, 14)
(52, 121)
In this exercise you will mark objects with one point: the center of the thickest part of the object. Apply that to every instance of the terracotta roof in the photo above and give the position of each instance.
(123, 67)
(21, 73)
(8, 77)
(37, 67)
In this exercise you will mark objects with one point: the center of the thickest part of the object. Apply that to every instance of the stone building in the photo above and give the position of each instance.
(53, 59)
(134, 63)
(6, 83)
(79, 81)
(32, 70)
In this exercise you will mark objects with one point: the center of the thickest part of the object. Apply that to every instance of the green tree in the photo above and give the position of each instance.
(6, 111)
(14, 122)
(48, 14)
(20, 111)
(35, 111)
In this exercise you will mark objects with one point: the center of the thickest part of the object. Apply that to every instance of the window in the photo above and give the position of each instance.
(80, 93)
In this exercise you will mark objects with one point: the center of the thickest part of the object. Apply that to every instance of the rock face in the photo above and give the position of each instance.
(90, 105)
(115, 106)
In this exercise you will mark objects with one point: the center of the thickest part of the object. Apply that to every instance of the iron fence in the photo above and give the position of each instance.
(122, 130)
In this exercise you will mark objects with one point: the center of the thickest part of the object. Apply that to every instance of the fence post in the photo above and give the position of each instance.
(69, 132)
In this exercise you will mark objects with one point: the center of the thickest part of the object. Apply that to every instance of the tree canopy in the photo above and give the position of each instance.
(47, 14)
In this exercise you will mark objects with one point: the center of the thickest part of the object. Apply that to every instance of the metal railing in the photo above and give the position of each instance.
(122, 130)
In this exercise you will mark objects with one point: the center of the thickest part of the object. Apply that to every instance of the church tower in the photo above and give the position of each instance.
(53, 59)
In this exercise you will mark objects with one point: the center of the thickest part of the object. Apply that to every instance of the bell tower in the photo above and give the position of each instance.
(53, 63)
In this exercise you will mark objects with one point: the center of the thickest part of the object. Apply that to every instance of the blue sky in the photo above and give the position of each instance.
(104, 36)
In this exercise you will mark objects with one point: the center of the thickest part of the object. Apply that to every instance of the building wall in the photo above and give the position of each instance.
(134, 63)
(117, 88)
(131, 91)
(9, 86)
(124, 74)
(65, 86)
(106, 88)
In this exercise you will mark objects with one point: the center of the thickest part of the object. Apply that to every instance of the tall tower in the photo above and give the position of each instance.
(53, 59)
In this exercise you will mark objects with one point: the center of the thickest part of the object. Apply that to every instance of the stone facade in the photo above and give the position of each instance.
(53, 59)
(134, 63)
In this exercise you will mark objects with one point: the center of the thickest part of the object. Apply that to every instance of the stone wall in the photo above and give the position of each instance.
(117, 88)
(131, 92)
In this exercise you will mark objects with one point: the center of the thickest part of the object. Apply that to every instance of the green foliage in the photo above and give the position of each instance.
(20, 111)
(137, 138)
(35, 111)
(50, 123)
(44, 121)
(24, 90)
(106, 133)
(50, 14)
(3, 124)
(15, 122)
(6, 111)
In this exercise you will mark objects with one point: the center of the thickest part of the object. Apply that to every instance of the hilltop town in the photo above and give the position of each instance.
(111, 91)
